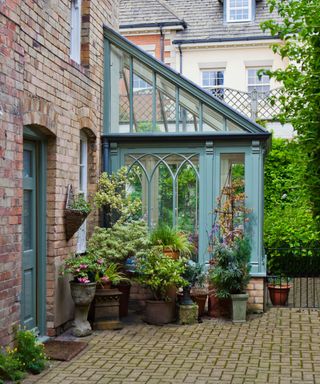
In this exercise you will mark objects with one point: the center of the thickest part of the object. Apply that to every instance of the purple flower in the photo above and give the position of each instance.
(83, 266)
(100, 261)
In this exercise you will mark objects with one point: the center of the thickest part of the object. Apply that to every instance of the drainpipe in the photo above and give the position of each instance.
(161, 44)
(105, 168)
(180, 53)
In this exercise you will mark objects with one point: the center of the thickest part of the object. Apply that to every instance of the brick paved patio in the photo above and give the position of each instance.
(281, 346)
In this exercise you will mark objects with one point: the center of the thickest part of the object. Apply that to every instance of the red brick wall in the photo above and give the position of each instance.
(40, 86)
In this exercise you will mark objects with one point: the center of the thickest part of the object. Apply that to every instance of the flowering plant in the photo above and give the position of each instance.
(85, 269)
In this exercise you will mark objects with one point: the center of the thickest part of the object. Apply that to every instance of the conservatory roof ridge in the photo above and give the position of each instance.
(183, 82)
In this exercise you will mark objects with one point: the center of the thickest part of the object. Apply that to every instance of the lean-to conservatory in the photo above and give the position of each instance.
(180, 144)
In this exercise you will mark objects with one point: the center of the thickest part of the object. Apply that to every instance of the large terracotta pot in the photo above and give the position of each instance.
(218, 307)
(170, 253)
(159, 312)
(82, 295)
(200, 299)
(279, 294)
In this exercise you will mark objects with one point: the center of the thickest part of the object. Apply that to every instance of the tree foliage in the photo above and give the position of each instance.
(300, 98)
(288, 215)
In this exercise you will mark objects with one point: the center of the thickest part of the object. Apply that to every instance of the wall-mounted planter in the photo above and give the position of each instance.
(73, 218)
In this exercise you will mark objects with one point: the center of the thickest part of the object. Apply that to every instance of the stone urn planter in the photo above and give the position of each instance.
(82, 295)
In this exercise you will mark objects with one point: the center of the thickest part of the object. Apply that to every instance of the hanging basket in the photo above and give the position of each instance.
(73, 218)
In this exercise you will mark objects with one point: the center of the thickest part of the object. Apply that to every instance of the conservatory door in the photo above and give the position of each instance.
(168, 184)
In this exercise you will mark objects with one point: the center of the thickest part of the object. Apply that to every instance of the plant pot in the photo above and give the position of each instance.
(200, 299)
(218, 307)
(82, 295)
(73, 220)
(124, 287)
(159, 312)
(239, 307)
(173, 254)
(279, 294)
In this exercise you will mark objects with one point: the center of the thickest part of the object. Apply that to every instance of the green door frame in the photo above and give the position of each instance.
(33, 136)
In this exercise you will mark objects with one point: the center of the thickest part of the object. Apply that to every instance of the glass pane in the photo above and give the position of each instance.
(119, 67)
(138, 186)
(142, 97)
(166, 105)
(189, 112)
(27, 163)
(27, 220)
(212, 121)
(233, 127)
(162, 192)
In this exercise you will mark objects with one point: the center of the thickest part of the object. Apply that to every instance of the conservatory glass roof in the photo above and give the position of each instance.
(144, 97)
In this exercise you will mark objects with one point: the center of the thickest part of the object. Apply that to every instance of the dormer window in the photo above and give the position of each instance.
(238, 10)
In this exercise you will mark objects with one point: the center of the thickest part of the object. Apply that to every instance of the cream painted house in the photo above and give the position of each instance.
(218, 44)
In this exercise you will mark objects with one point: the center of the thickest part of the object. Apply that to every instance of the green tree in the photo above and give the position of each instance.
(300, 98)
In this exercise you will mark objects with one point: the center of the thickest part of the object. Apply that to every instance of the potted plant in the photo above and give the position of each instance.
(196, 276)
(84, 270)
(158, 272)
(279, 287)
(231, 274)
(115, 246)
(174, 243)
(76, 211)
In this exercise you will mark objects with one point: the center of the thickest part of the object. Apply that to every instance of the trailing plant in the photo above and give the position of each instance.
(171, 238)
(112, 195)
(80, 204)
(117, 244)
(300, 97)
(158, 272)
(231, 268)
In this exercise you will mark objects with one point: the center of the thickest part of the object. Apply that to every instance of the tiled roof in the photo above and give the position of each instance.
(146, 12)
(204, 18)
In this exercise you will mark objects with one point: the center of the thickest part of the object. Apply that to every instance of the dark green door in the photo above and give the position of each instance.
(29, 258)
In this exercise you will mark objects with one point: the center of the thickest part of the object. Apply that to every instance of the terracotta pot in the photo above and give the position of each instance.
(159, 312)
(279, 294)
(173, 254)
(218, 307)
(200, 300)
(82, 295)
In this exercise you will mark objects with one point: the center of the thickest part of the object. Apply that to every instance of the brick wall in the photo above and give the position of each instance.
(40, 86)
(255, 289)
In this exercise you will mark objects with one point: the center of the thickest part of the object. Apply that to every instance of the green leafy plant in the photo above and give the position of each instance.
(85, 269)
(111, 275)
(80, 204)
(231, 269)
(195, 274)
(117, 244)
(171, 238)
(112, 195)
(30, 352)
(158, 272)
(27, 355)
(300, 97)
(10, 366)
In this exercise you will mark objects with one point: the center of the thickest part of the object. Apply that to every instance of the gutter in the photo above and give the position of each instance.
(224, 40)
(165, 24)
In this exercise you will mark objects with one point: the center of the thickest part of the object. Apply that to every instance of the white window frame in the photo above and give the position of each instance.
(75, 35)
(229, 8)
(83, 189)
(258, 84)
(142, 85)
(213, 70)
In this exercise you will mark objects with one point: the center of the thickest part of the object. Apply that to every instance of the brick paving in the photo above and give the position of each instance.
(282, 346)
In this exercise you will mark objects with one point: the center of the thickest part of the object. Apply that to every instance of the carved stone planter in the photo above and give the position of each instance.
(82, 295)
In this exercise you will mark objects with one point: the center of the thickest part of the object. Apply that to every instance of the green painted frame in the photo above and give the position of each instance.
(32, 134)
